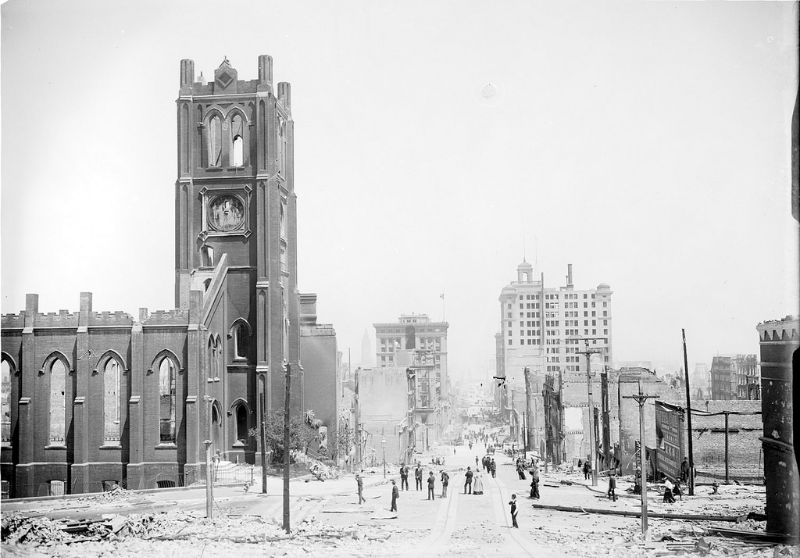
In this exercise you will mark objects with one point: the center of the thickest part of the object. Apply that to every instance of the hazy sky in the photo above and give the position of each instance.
(647, 144)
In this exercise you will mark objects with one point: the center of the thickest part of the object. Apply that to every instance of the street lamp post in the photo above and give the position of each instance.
(383, 446)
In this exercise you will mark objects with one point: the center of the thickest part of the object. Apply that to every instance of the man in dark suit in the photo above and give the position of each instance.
(395, 496)
(431, 481)
(418, 476)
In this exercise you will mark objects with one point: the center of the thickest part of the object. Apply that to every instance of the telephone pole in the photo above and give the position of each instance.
(263, 429)
(592, 441)
(286, 416)
(527, 409)
(689, 418)
(641, 399)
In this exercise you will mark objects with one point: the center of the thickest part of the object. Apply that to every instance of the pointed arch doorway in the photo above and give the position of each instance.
(216, 429)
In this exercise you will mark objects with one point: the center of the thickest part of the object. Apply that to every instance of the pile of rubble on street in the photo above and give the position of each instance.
(596, 530)
(181, 533)
(316, 467)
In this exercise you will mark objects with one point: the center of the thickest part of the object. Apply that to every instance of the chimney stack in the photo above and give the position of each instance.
(569, 276)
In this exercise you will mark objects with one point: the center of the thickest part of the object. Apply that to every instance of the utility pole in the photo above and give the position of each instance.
(527, 410)
(605, 418)
(209, 482)
(286, 416)
(727, 476)
(641, 399)
(263, 402)
(592, 441)
(689, 419)
(561, 451)
(358, 425)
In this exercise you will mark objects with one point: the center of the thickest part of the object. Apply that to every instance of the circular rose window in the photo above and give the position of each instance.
(226, 213)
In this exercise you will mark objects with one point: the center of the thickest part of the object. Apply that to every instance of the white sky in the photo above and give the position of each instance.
(648, 144)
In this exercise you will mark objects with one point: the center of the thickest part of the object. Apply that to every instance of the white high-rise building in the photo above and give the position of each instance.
(544, 328)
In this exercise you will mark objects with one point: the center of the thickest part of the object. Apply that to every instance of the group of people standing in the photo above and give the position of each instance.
(418, 478)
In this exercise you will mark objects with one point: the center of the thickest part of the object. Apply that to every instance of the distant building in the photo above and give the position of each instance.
(542, 328)
(366, 351)
(734, 377)
(383, 417)
(418, 332)
(322, 374)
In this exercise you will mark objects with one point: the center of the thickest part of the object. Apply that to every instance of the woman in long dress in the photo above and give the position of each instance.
(477, 484)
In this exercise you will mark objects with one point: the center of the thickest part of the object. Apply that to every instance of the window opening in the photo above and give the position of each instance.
(58, 403)
(240, 338)
(241, 424)
(111, 420)
(5, 393)
(215, 141)
(166, 384)
(237, 132)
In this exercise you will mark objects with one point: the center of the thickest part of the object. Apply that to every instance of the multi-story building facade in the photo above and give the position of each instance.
(544, 327)
(419, 344)
(735, 377)
(418, 332)
(548, 330)
(748, 377)
(92, 399)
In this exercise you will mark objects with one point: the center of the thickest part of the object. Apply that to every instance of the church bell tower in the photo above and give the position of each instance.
(235, 227)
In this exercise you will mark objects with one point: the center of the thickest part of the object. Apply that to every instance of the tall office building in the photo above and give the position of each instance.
(543, 327)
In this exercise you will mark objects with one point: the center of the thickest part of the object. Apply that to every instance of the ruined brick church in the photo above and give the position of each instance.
(92, 399)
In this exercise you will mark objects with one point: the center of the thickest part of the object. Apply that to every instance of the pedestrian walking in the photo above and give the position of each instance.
(445, 482)
(612, 487)
(360, 484)
(513, 504)
(685, 469)
(493, 468)
(476, 462)
(477, 484)
(637, 482)
(520, 471)
(676, 490)
(587, 470)
(535, 482)
(431, 482)
(404, 476)
(395, 496)
(668, 497)
(468, 481)
(418, 476)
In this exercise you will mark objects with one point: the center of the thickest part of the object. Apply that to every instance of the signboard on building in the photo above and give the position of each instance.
(669, 439)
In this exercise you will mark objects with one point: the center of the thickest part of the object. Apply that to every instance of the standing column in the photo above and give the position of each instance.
(80, 412)
(134, 472)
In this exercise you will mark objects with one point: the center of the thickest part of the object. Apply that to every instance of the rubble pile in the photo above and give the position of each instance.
(34, 530)
(136, 535)
(315, 466)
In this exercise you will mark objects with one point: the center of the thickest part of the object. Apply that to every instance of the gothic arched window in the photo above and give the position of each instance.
(241, 424)
(237, 147)
(5, 395)
(111, 416)
(212, 359)
(241, 338)
(166, 390)
(282, 146)
(215, 141)
(58, 403)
